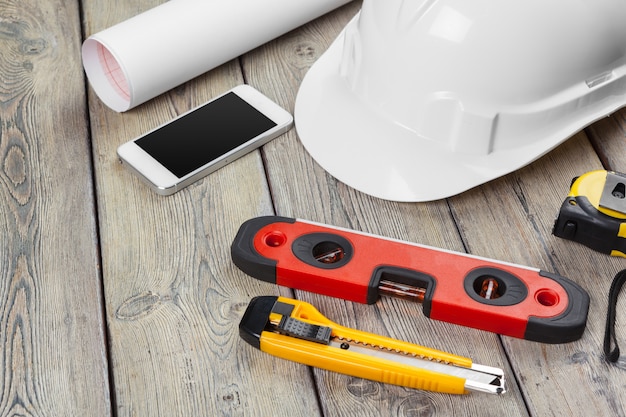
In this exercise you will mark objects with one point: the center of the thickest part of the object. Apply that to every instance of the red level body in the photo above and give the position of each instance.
(527, 303)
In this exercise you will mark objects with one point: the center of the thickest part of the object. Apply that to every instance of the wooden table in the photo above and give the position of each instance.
(115, 301)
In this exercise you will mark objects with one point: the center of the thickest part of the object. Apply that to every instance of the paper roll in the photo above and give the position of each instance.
(153, 52)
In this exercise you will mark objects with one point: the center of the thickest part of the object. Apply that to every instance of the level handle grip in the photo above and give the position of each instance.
(246, 257)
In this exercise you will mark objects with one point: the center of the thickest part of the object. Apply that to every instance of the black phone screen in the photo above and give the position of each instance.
(204, 134)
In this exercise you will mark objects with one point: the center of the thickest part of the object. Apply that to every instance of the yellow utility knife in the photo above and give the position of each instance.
(297, 331)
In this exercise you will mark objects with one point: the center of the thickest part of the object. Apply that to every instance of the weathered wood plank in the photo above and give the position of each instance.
(174, 299)
(518, 212)
(312, 194)
(52, 347)
(509, 219)
(607, 136)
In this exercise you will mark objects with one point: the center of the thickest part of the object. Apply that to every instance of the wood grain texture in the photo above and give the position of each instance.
(312, 194)
(608, 136)
(508, 219)
(174, 299)
(75, 222)
(52, 347)
(530, 199)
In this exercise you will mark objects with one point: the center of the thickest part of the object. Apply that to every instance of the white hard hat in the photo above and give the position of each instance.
(421, 100)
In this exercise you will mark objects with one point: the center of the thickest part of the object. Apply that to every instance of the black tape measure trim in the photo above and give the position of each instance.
(609, 334)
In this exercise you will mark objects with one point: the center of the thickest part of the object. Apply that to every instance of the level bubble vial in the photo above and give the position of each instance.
(328, 252)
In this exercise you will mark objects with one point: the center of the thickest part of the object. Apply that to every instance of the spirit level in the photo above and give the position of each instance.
(458, 288)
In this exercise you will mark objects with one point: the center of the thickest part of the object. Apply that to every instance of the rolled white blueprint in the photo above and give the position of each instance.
(155, 51)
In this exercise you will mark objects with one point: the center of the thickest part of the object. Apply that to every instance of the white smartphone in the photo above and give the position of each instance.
(204, 139)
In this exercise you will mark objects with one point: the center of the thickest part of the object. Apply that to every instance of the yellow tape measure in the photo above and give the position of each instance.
(594, 212)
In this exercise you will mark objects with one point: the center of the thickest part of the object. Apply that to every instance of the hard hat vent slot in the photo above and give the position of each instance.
(599, 79)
